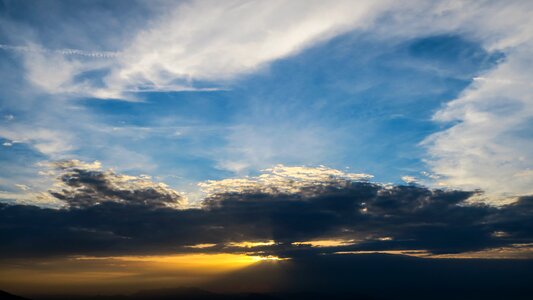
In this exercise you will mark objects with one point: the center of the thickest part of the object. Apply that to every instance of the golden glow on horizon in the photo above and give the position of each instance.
(220, 261)
(117, 274)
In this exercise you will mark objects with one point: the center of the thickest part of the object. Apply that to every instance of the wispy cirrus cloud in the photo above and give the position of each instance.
(489, 146)
(176, 50)
(66, 51)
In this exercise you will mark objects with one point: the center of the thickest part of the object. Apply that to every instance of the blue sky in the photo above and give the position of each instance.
(360, 87)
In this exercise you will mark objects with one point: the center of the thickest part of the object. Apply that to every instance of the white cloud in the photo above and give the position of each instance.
(42, 199)
(48, 141)
(35, 49)
(489, 145)
(213, 40)
(282, 179)
(197, 40)
(409, 179)
(23, 187)
(56, 73)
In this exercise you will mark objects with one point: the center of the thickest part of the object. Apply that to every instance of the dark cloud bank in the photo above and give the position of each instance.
(104, 218)
(110, 214)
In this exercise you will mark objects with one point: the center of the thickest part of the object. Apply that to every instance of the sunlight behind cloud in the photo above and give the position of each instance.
(251, 244)
(114, 274)
(326, 243)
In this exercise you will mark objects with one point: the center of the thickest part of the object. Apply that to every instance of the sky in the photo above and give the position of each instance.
(245, 131)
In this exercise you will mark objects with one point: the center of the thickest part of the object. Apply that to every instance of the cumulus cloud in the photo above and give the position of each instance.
(83, 184)
(409, 179)
(283, 180)
(109, 213)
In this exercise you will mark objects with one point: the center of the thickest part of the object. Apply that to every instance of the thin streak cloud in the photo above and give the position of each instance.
(85, 53)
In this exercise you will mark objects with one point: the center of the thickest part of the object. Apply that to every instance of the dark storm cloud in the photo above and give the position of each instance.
(104, 218)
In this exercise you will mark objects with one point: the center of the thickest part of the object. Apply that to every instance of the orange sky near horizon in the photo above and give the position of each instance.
(127, 274)
(117, 274)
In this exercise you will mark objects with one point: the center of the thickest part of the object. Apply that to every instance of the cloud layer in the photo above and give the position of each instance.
(84, 185)
(111, 214)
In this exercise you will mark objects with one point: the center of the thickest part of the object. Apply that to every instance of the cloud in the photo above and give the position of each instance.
(111, 214)
(85, 184)
(191, 45)
(49, 141)
(489, 146)
(409, 179)
(183, 44)
(485, 143)
(282, 180)
(94, 54)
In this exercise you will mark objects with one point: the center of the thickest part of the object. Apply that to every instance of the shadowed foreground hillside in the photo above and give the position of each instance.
(7, 296)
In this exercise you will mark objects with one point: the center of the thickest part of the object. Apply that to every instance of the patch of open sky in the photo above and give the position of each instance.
(380, 95)
(17, 165)
(372, 99)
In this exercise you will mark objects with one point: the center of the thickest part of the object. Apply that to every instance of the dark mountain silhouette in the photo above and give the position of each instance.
(7, 296)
